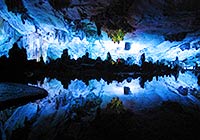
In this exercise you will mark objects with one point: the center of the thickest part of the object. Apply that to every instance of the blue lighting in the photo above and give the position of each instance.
(76, 100)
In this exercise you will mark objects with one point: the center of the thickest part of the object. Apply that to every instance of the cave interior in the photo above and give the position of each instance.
(99, 69)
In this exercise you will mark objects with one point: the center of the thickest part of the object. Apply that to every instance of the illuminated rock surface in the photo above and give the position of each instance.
(161, 30)
(166, 108)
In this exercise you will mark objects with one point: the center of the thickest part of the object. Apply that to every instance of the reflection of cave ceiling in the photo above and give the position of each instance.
(161, 28)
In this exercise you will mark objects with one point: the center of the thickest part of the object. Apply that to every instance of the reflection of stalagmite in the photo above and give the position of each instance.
(177, 65)
(1, 25)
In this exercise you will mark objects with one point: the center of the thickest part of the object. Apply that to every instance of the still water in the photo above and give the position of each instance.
(129, 91)
(64, 100)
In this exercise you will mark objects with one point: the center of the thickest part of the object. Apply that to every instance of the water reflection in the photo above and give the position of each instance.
(108, 77)
(153, 90)
(79, 102)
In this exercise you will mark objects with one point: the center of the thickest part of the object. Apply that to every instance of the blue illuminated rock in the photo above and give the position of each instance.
(183, 91)
(196, 45)
(185, 46)
(45, 31)
(127, 90)
(127, 46)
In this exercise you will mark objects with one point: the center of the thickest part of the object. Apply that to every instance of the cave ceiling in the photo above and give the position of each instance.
(153, 21)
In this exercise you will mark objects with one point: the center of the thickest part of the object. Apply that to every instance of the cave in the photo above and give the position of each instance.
(99, 69)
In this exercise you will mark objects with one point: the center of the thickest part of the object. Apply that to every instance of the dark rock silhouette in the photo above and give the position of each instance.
(127, 46)
(13, 94)
(175, 37)
(64, 69)
(17, 55)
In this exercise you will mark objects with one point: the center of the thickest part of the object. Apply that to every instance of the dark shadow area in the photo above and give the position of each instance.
(169, 121)
(18, 69)
(13, 94)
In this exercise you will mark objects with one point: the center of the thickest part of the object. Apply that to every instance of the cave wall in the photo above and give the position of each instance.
(163, 29)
